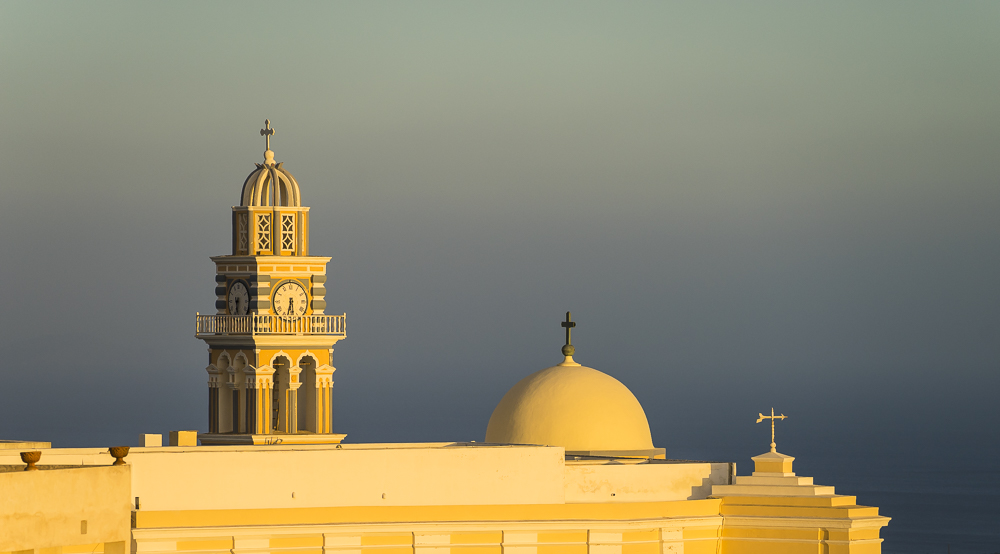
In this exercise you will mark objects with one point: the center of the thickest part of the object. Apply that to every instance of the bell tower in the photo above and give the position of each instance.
(270, 342)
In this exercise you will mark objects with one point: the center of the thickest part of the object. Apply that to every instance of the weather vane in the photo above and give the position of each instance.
(568, 324)
(772, 417)
(266, 132)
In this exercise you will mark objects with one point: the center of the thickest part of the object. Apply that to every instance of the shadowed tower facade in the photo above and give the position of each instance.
(270, 342)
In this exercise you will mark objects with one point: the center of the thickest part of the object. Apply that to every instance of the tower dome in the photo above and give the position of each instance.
(270, 184)
(270, 219)
(585, 411)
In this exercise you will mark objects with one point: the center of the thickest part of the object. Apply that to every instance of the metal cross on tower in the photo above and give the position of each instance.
(568, 324)
(266, 132)
(772, 417)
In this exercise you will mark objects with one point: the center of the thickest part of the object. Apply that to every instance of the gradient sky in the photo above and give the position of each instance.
(744, 205)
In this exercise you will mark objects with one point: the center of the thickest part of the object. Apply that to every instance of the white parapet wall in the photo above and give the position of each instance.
(253, 477)
(57, 508)
(275, 477)
(271, 496)
(649, 481)
(401, 474)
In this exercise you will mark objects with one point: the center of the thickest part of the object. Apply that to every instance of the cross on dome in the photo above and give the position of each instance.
(586, 412)
(568, 349)
(772, 417)
(266, 132)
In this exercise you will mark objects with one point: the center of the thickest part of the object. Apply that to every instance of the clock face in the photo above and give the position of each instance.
(239, 299)
(289, 300)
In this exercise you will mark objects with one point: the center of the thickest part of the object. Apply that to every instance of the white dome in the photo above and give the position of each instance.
(576, 407)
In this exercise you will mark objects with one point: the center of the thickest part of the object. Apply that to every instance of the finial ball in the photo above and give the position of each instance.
(568, 350)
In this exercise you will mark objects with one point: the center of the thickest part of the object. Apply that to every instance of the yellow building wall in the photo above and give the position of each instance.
(625, 482)
(464, 537)
(68, 510)
(799, 525)
(437, 498)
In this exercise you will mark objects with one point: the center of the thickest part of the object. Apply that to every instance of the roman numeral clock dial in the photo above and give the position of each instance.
(289, 300)
(239, 299)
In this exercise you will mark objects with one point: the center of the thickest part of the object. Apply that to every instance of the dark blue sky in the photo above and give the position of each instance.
(743, 205)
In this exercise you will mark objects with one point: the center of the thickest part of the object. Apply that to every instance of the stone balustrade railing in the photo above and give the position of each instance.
(267, 324)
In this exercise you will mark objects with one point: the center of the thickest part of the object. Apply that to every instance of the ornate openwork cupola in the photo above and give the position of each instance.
(270, 220)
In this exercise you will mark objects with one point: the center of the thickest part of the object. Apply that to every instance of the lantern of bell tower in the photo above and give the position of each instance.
(270, 342)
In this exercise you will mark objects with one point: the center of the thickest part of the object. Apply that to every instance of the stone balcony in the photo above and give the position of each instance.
(267, 324)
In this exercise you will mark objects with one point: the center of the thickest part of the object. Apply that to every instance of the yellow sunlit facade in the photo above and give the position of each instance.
(568, 466)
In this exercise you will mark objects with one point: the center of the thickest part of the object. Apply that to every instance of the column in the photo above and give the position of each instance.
(328, 416)
(213, 408)
(431, 543)
(266, 396)
(324, 407)
(251, 409)
(320, 393)
(603, 542)
(672, 540)
(337, 543)
(236, 410)
(518, 542)
(292, 409)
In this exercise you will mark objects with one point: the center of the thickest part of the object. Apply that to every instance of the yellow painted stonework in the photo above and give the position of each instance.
(270, 340)
(775, 511)
(569, 466)
(72, 510)
(462, 496)
(773, 463)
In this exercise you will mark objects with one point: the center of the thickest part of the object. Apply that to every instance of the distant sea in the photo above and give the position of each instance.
(934, 506)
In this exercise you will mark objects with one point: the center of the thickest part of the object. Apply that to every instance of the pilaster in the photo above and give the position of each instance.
(672, 540)
(519, 542)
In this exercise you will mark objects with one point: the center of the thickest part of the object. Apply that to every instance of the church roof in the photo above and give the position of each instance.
(576, 407)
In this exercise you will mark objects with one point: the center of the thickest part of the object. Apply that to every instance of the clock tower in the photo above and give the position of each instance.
(270, 342)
